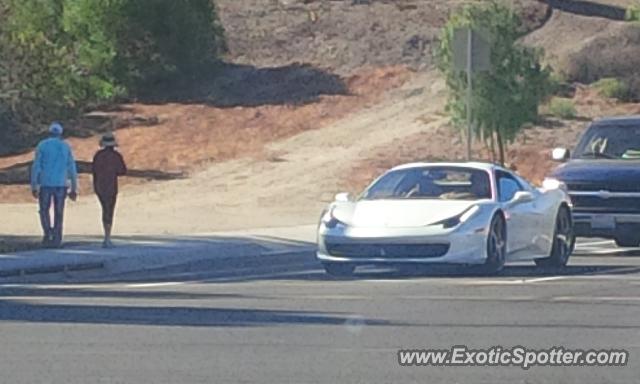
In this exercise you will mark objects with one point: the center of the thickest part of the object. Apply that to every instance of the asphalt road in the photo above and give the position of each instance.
(290, 323)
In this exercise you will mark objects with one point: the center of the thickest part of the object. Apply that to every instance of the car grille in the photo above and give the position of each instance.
(614, 186)
(610, 205)
(604, 203)
(387, 250)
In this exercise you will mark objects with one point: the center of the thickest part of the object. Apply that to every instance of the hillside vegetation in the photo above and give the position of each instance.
(311, 98)
(282, 67)
(61, 57)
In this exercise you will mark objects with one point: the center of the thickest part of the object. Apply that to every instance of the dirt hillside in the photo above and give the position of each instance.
(586, 49)
(318, 97)
(289, 186)
(343, 35)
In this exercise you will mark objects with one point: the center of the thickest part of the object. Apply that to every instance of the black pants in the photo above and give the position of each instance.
(108, 204)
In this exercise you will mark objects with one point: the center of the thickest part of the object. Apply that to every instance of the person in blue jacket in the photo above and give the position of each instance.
(53, 173)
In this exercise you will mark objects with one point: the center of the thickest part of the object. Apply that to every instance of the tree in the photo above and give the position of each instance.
(506, 97)
(60, 57)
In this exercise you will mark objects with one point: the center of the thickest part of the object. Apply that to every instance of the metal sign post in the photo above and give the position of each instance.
(471, 53)
(469, 90)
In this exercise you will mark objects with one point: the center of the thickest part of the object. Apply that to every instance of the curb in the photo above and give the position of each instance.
(88, 266)
(240, 259)
(74, 267)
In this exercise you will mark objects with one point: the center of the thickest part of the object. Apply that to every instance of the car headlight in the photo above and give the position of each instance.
(553, 183)
(329, 220)
(458, 219)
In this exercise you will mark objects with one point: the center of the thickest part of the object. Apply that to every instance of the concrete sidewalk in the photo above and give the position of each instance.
(139, 253)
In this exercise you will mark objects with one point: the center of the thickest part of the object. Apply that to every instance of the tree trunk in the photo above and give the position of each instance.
(492, 147)
(500, 146)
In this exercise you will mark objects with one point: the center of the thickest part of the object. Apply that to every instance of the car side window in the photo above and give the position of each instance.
(524, 183)
(508, 186)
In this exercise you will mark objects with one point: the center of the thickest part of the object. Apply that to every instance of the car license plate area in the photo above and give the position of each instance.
(603, 222)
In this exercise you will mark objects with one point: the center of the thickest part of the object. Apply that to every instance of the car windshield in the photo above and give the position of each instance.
(449, 183)
(610, 142)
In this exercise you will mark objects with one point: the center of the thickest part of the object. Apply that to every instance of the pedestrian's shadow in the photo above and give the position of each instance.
(19, 174)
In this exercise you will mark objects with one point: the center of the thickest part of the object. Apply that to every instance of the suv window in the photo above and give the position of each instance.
(610, 142)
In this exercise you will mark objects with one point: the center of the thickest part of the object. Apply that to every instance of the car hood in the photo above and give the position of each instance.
(615, 172)
(398, 213)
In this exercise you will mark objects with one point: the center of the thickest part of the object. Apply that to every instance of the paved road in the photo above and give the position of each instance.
(275, 324)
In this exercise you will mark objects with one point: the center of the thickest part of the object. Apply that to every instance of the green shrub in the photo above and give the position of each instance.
(559, 86)
(59, 57)
(506, 97)
(633, 13)
(161, 39)
(562, 108)
(613, 88)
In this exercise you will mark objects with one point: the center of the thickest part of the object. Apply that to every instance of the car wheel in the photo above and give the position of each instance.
(339, 269)
(563, 241)
(627, 241)
(496, 245)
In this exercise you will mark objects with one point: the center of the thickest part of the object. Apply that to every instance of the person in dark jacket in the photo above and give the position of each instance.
(108, 164)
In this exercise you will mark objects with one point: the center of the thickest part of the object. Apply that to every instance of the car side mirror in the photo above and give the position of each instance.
(522, 197)
(343, 197)
(560, 154)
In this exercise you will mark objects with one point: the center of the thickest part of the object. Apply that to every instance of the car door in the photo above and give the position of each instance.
(542, 218)
(523, 221)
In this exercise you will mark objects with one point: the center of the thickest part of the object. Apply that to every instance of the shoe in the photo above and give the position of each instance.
(47, 240)
(107, 244)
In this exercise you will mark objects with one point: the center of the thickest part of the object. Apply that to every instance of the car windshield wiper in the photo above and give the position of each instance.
(596, 155)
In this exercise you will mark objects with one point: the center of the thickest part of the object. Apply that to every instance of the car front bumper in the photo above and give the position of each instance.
(386, 246)
(607, 225)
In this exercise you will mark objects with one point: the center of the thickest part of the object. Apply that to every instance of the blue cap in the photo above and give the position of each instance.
(56, 129)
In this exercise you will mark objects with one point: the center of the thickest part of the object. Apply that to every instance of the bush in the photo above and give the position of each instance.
(633, 13)
(559, 86)
(506, 97)
(59, 57)
(152, 46)
(562, 108)
(613, 88)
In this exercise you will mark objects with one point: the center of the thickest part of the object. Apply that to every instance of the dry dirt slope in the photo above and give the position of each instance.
(288, 188)
(343, 35)
(289, 181)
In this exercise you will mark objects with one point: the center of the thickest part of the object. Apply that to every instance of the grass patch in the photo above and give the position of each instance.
(562, 108)
(613, 88)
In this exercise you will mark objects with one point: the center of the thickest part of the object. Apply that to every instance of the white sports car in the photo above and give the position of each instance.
(451, 213)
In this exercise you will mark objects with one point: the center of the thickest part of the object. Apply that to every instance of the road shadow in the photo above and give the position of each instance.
(19, 174)
(235, 85)
(618, 252)
(172, 316)
(437, 272)
(26, 292)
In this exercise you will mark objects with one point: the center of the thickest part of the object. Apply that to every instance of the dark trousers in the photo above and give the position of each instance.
(57, 196)
(108, 203)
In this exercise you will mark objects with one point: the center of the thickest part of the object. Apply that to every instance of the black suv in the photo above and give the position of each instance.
(602, 177)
